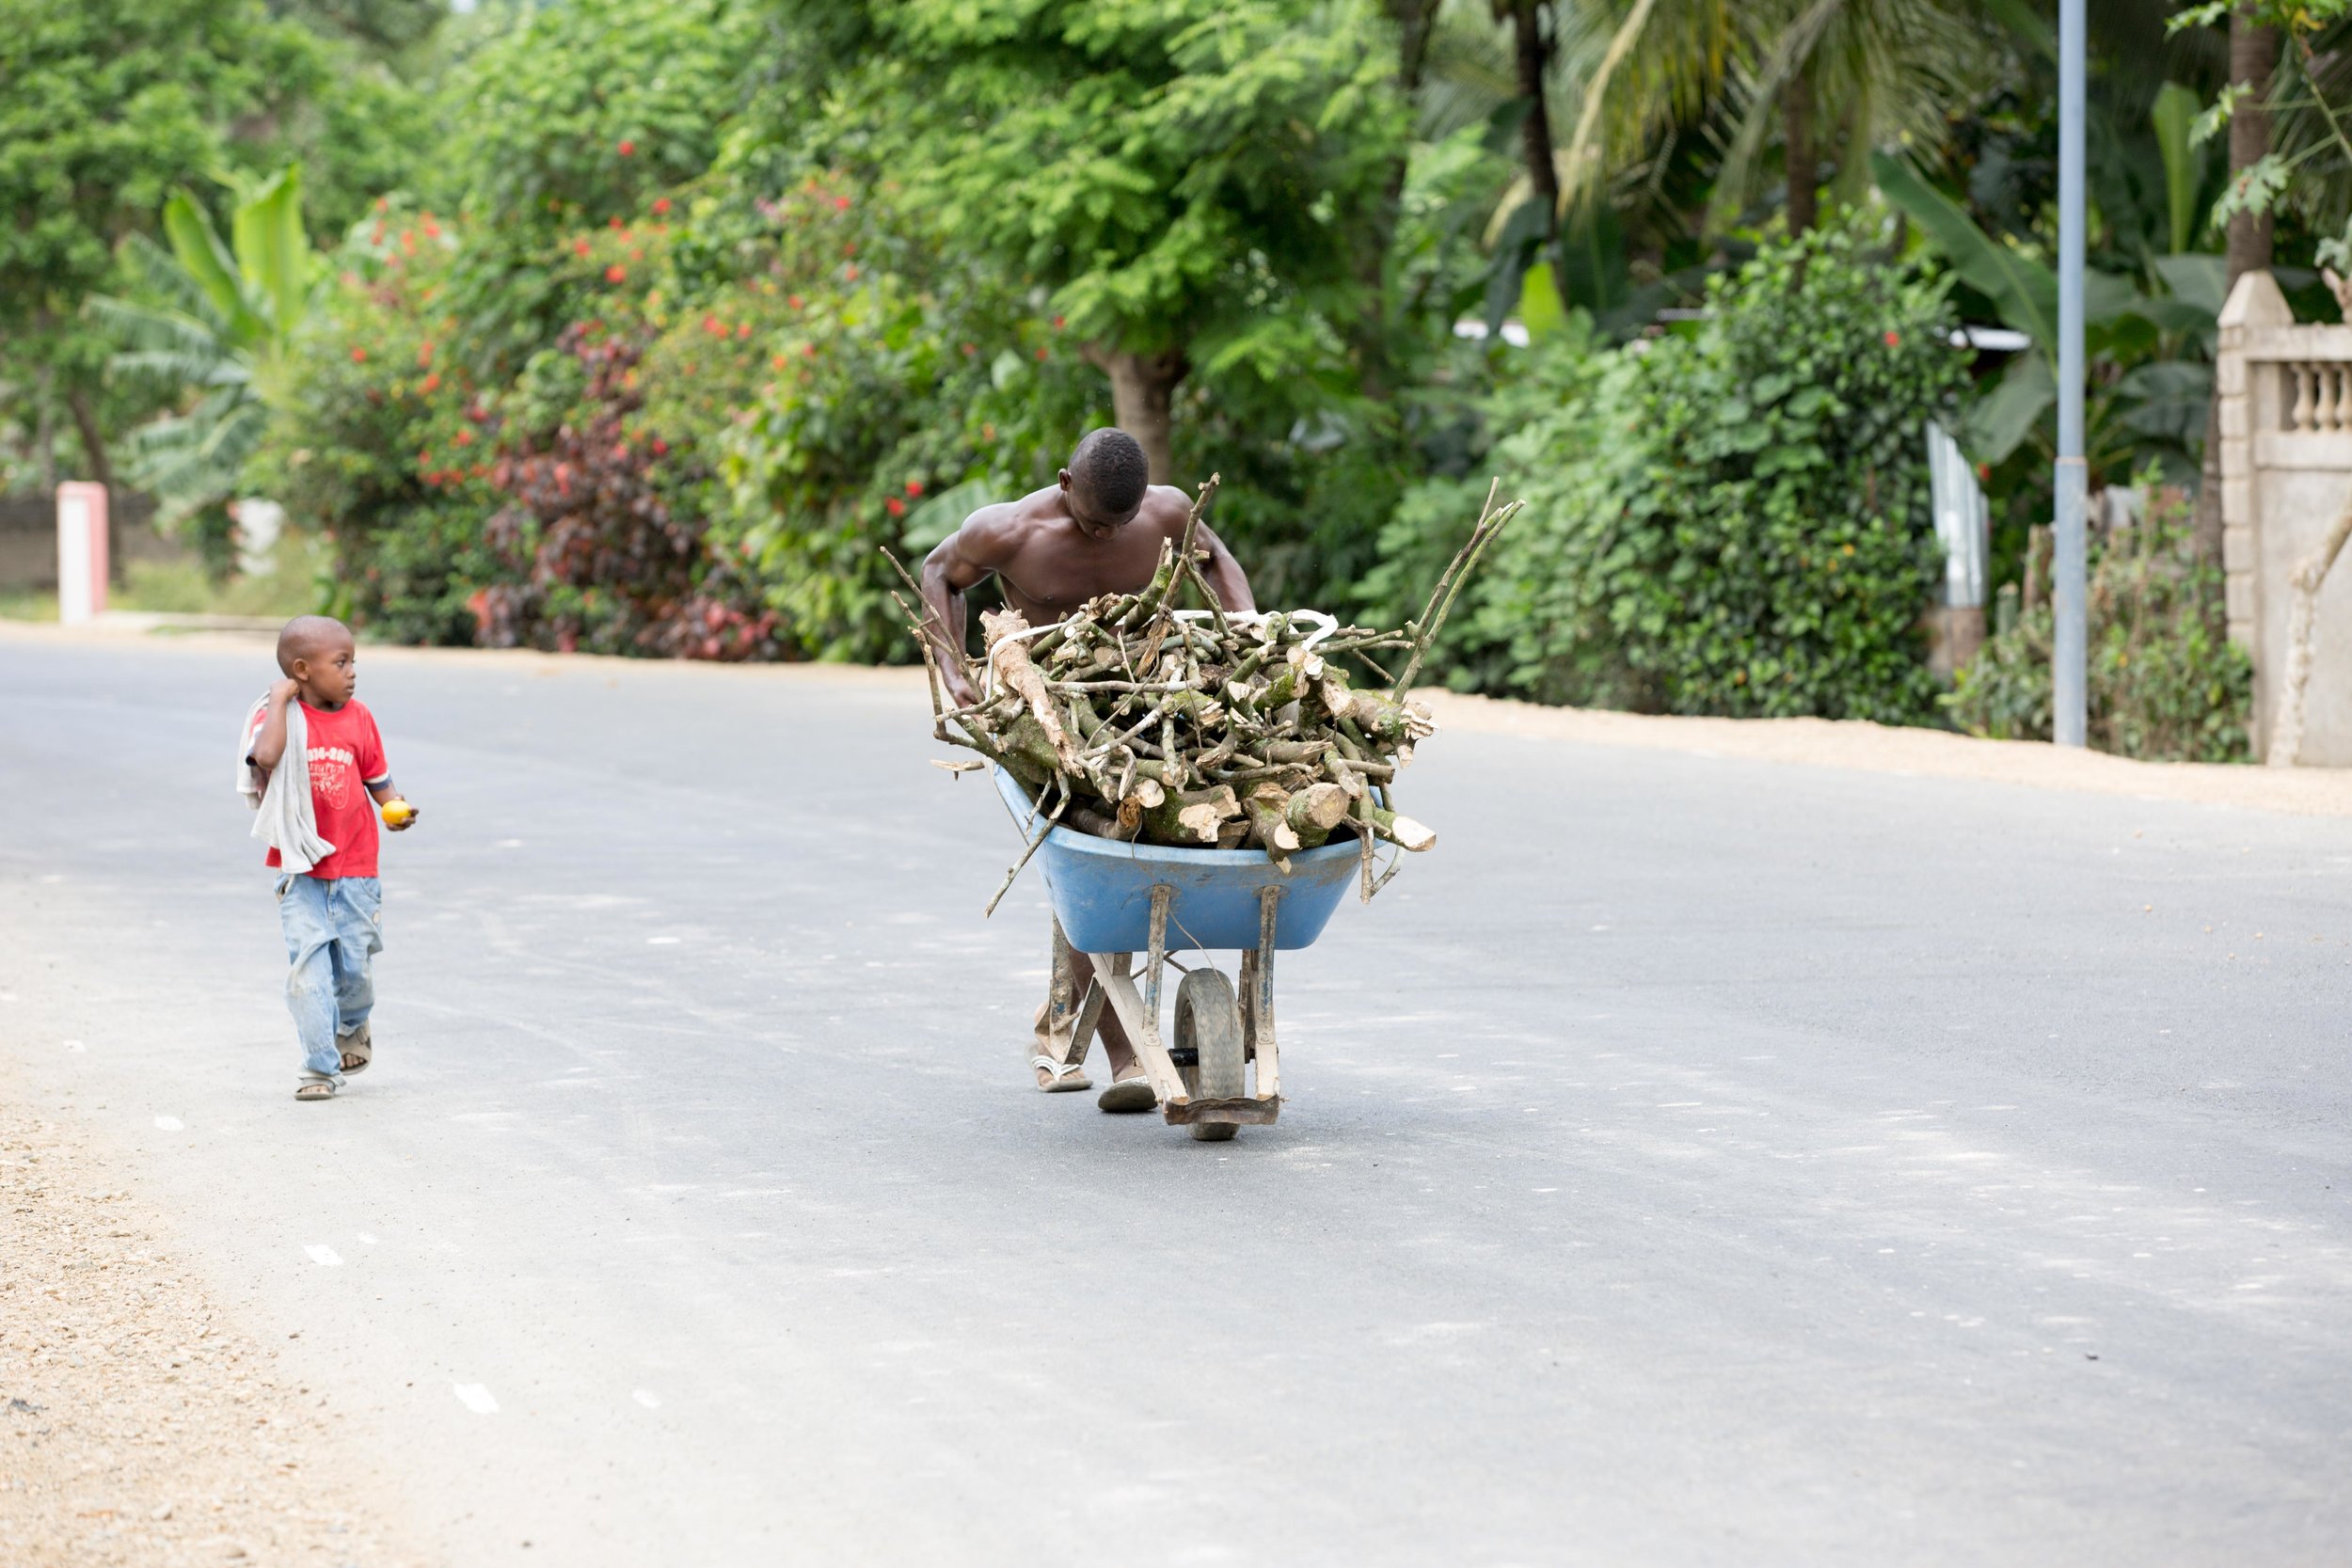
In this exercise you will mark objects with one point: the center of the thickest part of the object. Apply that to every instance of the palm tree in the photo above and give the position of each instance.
(221, 322)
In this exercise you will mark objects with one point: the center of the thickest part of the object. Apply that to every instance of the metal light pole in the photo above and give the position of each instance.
(2068, 700)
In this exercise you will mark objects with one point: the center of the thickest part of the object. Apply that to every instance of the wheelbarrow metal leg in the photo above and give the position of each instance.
(1111, 970)
(1257, 1000)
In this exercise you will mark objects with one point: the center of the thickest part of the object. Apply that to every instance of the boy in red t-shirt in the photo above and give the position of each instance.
(332, 914)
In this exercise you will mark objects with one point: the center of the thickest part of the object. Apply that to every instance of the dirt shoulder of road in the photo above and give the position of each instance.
(1855, 745)
(139, 1424)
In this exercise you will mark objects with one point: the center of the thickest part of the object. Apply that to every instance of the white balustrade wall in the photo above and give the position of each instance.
(2285, 393)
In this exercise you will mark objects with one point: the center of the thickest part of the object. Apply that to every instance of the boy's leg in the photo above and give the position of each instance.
(357, 906)
(302, 915)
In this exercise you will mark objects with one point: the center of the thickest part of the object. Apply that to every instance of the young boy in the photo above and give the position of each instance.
(330, 902)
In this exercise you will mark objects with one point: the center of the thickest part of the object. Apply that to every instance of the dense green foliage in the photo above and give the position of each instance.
(1729, 520)
(647, 325)
(2163, 682)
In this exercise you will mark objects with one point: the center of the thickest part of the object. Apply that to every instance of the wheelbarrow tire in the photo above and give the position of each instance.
(1208, 1022)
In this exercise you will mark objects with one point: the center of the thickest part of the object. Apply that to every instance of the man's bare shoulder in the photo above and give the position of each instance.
(1165, 509)
(997, 530)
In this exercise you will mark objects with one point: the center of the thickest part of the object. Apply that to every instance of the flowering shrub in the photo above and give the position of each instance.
(596, 556)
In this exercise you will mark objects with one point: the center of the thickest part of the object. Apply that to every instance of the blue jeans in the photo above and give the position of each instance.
(333, 926)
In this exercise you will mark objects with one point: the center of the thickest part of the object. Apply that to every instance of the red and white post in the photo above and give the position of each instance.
(81, 551)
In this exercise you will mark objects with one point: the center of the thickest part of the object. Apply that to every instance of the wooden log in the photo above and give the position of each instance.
(1269, 823)
(1313, 811)
(1022, 678)
(1401, 831)
(1190, 816)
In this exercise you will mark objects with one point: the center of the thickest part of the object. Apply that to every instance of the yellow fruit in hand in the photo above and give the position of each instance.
(397, 812)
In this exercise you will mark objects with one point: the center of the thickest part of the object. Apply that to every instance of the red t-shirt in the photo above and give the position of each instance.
(346, 758)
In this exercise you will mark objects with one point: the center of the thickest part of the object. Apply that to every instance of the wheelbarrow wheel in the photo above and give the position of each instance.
(1208, 1025)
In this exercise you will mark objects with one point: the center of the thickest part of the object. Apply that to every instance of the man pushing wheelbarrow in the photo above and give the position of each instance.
(1197, 778)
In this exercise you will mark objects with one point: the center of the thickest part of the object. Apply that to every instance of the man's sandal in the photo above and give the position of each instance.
(1060, 1077)
(1129, 1094)
(315, 1088)
(359, 1049)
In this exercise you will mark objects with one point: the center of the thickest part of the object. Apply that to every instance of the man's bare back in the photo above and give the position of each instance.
(1054, 549)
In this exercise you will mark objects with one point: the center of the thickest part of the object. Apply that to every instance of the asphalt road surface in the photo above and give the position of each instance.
(1690, 1162)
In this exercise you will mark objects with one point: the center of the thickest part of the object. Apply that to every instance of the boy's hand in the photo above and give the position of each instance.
(282, 692)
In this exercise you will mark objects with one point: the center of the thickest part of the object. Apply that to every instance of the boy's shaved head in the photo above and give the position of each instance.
(306, 637)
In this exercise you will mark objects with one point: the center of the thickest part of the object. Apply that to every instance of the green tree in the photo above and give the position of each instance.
(1183, 175)
(109, 105)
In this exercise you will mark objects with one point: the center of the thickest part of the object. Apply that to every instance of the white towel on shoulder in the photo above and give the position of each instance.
(284, 818)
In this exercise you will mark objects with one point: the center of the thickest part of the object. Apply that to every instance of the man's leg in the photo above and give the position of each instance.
(302, 915)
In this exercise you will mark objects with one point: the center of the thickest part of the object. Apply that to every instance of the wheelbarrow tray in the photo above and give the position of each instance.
(1101, 888)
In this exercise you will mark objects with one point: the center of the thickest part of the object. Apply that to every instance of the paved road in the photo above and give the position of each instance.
(1692, 1161)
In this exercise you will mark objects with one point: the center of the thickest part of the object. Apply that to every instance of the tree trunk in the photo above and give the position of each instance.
(1415, 19)
(93, 439)
(45, 433)
(2253, 56)
(1143, 392)
(1796, 108)
(1543, 172)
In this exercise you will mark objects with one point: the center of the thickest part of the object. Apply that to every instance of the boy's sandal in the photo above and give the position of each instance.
(359, 1049)
(1059, 1077)
(316, 1089)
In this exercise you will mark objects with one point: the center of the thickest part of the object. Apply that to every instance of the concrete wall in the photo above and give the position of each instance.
(2286, 474)
(28, 538)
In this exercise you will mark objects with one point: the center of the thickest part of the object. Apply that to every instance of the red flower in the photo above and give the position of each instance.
(842, 202)
(432, 382)
(1059, 324)
(776, 361)
(358, 357)
(579, 247)
(613, 222)
(1041, 353)
(850, 272)
(627, 147)
(661, 446)
(914, 487)
(382, 204)
(713, 325)
(464, 438)
(970, 349)
(615, 273)
(744, 329)
(793, 300)
(432, 229)
(809, 350)
(660, 206)
(897, 508)
(1893, 339)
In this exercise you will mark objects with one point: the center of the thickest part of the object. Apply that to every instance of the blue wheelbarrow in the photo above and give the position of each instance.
(1114, 899)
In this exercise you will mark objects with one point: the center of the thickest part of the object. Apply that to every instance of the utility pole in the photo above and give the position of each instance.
(2069, 700)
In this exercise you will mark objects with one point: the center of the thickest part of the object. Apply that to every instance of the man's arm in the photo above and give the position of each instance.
(1224, 573)
(983, 544)
(269, 744)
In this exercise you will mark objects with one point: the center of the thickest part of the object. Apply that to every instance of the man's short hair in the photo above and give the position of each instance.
(300, 637)
(1110, 471)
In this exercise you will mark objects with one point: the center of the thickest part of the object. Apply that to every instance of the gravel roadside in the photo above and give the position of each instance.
(139, 1424)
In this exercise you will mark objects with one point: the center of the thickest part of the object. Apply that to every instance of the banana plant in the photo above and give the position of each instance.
(215, 322)
(2160, 397)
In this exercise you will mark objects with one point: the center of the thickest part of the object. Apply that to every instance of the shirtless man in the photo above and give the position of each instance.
(1096, 530)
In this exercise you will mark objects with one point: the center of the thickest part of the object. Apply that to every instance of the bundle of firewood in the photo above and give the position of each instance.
(1137, 719)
